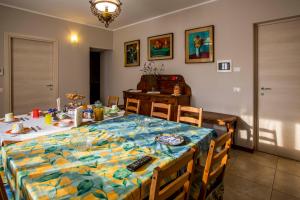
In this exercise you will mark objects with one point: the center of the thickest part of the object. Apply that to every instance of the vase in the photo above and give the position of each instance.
(152, 84)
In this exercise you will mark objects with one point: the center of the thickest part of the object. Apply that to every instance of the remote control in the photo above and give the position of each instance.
(139, 163)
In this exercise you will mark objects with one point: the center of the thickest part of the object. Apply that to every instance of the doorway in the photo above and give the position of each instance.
(95, 62)
(31, 79)
(278, 87)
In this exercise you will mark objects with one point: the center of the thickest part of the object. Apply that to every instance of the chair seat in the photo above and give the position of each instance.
(8, 192)
(215, 194)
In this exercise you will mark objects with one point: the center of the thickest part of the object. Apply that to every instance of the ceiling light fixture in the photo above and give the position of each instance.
(106, 10)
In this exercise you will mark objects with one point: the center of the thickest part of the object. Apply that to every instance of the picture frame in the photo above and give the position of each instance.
(224, 66)
(199, 45)
(132, 53)
(161, 47)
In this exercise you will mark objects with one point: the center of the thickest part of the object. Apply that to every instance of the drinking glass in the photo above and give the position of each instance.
(48, 118)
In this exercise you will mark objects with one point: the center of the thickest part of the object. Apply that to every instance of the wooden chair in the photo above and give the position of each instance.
(212, 179)
(130, 108)
(3, 195)
(181, 185)
(190, 113)
(161, 106)
(113, 100)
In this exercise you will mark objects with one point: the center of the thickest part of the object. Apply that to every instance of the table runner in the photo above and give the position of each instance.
(90, 162)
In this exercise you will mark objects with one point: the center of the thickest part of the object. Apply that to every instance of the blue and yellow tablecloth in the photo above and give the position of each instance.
(90, 162)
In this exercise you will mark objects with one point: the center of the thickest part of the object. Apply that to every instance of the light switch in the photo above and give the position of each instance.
(236, 89)
(236, 69)
(1, 90)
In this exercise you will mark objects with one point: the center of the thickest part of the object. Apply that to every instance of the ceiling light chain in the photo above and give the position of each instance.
(106, 10)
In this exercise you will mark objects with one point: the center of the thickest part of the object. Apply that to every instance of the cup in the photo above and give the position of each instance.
(35, 113)
(114, 107)
(17, 127)
(9, 117)
(99, 114)
(48, 118)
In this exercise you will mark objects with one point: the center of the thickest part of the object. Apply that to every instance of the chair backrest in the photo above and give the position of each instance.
(113, 100)
(215, 163)
(3, 195)
(181, 185)
(132, 106)
(190, 115)
(156, 110)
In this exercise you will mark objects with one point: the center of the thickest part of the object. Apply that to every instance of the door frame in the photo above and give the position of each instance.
(8, 65)
(256, 76)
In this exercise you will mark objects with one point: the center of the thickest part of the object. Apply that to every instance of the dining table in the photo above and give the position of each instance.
(90, 162)
(38, 127)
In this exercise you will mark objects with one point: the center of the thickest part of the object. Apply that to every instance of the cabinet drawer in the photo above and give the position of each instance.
(164, 100)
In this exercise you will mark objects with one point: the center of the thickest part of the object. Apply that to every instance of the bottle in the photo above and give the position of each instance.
(78, 117)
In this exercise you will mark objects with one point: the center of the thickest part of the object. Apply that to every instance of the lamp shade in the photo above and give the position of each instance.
(106, 10)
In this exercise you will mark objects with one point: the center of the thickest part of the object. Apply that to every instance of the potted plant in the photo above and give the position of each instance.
(151, 72)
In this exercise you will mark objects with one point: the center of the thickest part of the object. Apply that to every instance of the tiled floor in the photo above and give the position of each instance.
(261, 176)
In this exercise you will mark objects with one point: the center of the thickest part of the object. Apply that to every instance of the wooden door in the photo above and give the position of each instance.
(279, 88)
(33, 75)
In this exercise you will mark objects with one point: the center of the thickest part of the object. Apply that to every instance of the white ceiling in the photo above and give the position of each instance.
(133, 11)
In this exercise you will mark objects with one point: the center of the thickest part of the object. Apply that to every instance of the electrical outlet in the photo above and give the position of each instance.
(236, 89)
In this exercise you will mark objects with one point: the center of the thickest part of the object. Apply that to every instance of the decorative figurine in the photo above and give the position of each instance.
(177, 90)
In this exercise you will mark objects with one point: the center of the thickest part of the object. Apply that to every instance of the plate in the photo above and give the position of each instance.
(111, 112)
(63, 123)
(15, 120)
(24, 131)
(169, 139)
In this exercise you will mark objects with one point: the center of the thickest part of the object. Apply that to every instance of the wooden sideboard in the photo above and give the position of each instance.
(164, 84)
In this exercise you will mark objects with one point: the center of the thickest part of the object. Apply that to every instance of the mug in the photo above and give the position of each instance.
(36, 113)
(17, 127)
(114, 107)
(9, 117)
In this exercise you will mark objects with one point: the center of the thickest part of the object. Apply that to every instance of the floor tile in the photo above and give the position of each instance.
(253, 171)
(287, 183)
(289, 166)
(282, 196)
(260, 158)
(233, 195)
(238, 185)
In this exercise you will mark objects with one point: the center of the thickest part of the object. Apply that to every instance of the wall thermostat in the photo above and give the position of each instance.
(224, 66)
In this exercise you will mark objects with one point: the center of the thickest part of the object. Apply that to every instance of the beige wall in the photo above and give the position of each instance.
(73, 59)
(233, 20)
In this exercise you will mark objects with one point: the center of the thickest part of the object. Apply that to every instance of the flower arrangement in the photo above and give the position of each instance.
(151, 69)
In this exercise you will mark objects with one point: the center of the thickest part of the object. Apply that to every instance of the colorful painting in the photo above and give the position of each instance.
(199, 45)
(160, 47)
(132, 53)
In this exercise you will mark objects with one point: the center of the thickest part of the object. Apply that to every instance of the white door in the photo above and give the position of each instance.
(33, 75)
(279, 88)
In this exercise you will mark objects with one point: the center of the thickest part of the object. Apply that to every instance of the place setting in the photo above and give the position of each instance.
(10, 118)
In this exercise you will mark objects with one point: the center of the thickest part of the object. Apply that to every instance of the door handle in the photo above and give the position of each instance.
(263, 88)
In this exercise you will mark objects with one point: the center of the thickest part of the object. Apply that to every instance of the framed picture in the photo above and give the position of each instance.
(160, 47)
(199, 45)
(132, 53)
